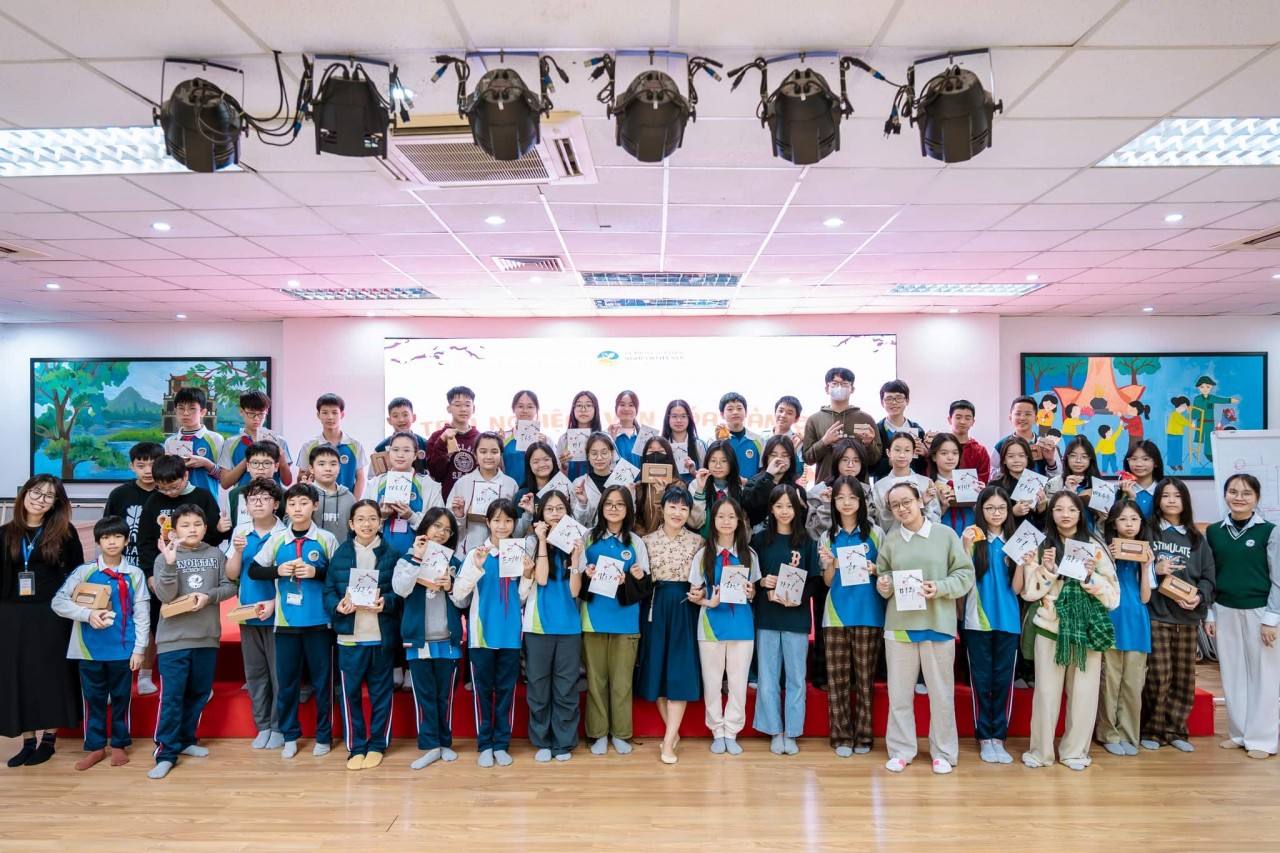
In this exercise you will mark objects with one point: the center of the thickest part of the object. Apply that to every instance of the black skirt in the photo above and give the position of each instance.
(39, 687)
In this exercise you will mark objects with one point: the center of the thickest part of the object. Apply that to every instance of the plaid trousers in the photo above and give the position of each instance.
(1170, 688)
(852, 656)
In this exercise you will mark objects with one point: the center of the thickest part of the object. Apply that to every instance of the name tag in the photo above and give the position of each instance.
(293, 599)
(399, 525)
(26, 583)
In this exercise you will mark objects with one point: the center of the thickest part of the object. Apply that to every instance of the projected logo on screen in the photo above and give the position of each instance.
(607, 357)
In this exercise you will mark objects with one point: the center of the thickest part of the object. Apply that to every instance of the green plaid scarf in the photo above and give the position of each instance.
(1083, 625)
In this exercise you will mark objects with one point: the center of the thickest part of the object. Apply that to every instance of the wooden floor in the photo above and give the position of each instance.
(239, 799)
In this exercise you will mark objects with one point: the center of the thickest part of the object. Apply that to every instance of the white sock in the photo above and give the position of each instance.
(290, 749)
(160, 771)
(430, 757)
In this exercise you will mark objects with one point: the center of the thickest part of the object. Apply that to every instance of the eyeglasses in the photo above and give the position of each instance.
(249, 413)
(996, 510)
(258, 500)
(893, 398)
(834, 384)
(898, 506)
(260, 465)
(42, 497)
(600, 454)
(1245, 494)
(615, 505)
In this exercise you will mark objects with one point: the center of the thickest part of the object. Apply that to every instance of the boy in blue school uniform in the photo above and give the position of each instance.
(262, 460)
(747, 445)
(257, 635)
(400, 418)
(198, 447)
(254, 406)
(109, 641)
(187, 642)
(330, 410)
(367, 634)
(296, 559)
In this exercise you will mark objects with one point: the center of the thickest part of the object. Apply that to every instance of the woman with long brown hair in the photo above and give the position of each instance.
(39, 688)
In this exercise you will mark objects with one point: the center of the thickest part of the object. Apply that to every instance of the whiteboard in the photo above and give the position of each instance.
(1255, 452)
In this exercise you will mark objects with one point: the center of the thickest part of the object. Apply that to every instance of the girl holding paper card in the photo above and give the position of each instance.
(723, 577)
(611, 624)
(403, 513)
(944, 456)
(783, 622)
(669, 672)
(719, 480)
(539, 467)
(900, 451)
(1144, 462)
(850, 461)
(553, 636)
(601, 457)
(1015, 456)
(431, 630)
(779, 464)
(922, 569)
(524, 405)
(493, 617)
(584, 414)
(992, 622)
(1080, 467)
(1070, 630)
(1124, 668)
(679, 429)
(852, 617)
(475, 491)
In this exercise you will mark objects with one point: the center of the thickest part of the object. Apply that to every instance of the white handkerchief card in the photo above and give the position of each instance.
(733, 585)
(435, 563)
(908, 593)
(399, 488)
(526, 433)
(566, 534)
(608, 576)
(1103, 495)
(791, 580)
(854, 570)
(623, 474)
(511, 556)
(362, 587)
(1029, 485)
(1025, 540)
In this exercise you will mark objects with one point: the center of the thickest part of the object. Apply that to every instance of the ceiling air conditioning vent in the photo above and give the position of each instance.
(437, 151)
(1266, 239)
(528, 263)
(10, 252)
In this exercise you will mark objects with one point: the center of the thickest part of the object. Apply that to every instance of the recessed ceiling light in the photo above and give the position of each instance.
(1033, 277)
(1275, 275)
(1173, 217)
(954, 311)
(1203, 142)
(293, 282)
(1149, 308)
(537, 279)
(784, 281)
(161, 226)
(180, 316)
(494, 220)
(52, 285)
(833, 222)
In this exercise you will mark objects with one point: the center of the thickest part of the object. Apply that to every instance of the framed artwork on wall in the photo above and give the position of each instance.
(1177, 400)
(87, 413)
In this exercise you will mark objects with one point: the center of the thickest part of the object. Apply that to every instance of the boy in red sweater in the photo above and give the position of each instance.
(451, 449)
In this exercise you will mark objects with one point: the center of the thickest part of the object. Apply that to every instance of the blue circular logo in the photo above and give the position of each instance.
(607, 356)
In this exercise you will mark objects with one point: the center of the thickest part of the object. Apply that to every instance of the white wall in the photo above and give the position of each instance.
(1145, 334)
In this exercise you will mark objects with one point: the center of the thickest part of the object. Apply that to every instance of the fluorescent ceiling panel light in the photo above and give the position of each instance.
(610, 304)
(963, 289)
(660, 279)
(1203, 142)
(358, 294)
(86, 151)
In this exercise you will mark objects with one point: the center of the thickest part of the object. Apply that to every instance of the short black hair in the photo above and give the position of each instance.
(255, 401)
(261, 486)
(962, 404)
(110, 525)
(794, 403)
(459, 391)
(191, 394)
(895, 386)
(1030, 401)
(732, 397)
(331, 400)
(838, 373)
(263, 448)
(400, 402)
(302, 490)
(189, 509)
(168, 469)
(146, 451)
(323, 450)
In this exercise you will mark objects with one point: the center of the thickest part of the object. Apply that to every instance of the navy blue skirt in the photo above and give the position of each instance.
(669, 666)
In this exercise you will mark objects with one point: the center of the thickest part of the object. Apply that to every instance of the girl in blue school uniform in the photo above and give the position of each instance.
(1144, 462)
(584, 413)
(524, 405)
(1124, 668)
(944, 456)
(611, 625)
(726, 631)
(431, 631)
(367, 636)
(402, 519)
(553, 635)
(679, 429)
(538, 467)
(853, 618)
(992, 621)
(493, 617)
(718, 480)
(628, 434)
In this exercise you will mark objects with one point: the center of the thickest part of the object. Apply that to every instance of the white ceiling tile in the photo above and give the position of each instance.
(1203, 238)
(707, 263)
(708, 24)
(1254, 219)
(838, 186)
(733, 220)
(138, 28)
(1194, 275)
(1085, 84)
(616, 263)
(1139, 185)
(348, 27)
(340, 188)
(166, 269)
(1065, 260)
(15, 202)
(923, 241)
(948, 217)
(1114, 239)
(814, 244)
(766, 187)
(215, 191)
(212, 247)
(139, 224)
(591, 217)
(257, 89)
(608, 241)
(53, 226)
(131, 284)
(1161, 23)
(981, 260)
(408, 244)
(991, 186)
(500, 195)
(1156, 258)
(1059, 217)
(467, 218)
(300, 157)
(115, 250)
(1243, 259)
(360, 263)
(451, 265)
(1053, 143)
(77, 269)
(993, 22)
(1236, 183)
(706, 244)
(617, 185)
(271, 222)
(1247, 93)
(18, 45)
(855, 220)
(1194, 215)
(210, 282)
(65, 94)
(1104, 275)
(314, 245)
(518, 243)
(256, 266)
(1017, 241)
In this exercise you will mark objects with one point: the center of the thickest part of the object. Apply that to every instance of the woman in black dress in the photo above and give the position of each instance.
(39, 690)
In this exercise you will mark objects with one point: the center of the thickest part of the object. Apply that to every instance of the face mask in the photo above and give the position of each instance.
(655, 458)
(839, 394)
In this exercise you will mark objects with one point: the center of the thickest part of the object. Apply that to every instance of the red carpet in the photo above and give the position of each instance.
(228, 713)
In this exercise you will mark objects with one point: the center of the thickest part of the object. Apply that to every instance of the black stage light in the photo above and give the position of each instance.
(652, 114)
(504, 114)
(954, 113)
(803, 114)
(201, 125)
(352, 118)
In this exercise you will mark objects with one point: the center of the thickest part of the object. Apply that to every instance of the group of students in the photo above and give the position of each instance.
(673, 578)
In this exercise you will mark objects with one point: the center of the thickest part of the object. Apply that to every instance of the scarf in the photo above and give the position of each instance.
(1083, 625)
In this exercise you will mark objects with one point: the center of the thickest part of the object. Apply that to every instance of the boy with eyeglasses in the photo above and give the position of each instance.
(895, 396)
(841, 419)
(254, 407)
(261, 459)
(198, 446)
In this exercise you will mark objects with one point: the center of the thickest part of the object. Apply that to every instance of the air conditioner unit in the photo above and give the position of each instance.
(437, 151)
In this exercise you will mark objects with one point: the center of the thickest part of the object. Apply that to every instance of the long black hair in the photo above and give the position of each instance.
(558, 559)
(601, 528)
(1109, 525)
(982, 556)
(1148, 447)
(691, 443)
(741, 538)
(530, 482)
(1052, 537)
(733, 485)
(839, 450)
(431, 516)
(1082, 442)
(854, 485)
(798, 534)
(774, 442)
(1186, 519)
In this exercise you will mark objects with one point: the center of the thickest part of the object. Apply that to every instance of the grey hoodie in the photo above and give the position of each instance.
(202, 569)
(333, 511)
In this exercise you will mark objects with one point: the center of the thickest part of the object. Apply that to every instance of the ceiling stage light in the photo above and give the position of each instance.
(504, 113)
(202, 126)
(954, 114)
(652, 113)
(803, 114)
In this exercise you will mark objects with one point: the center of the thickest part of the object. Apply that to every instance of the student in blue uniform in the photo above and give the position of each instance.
(584, 413)
(400, 418)
(601, 459)
(493, 618)
(720, 479)
(1124, 667)
(367, 634)
(553, 635)
(330, 410)
(199, 447)
(108, 641)
(611, 624)
(1144, 462)
(539, 468)
(261, 459)
(524, 406)
(297, 559)
(254, 407)
(1079, 468)
(992, 622)
(257, 635)
(431, 630)
(748, 446)
(402, 517)
(628, 434)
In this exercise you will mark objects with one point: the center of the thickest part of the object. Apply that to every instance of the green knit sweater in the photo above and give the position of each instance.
(941, 559)
(1246, 562)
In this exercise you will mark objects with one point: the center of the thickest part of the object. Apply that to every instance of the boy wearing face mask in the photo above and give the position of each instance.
(840, 419)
